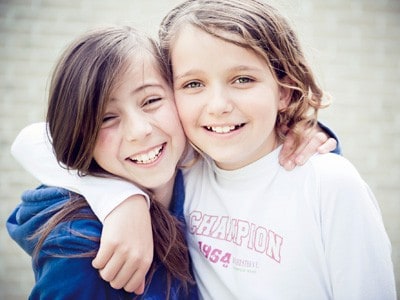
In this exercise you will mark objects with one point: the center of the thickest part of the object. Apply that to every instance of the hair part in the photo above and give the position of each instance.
(259, 27)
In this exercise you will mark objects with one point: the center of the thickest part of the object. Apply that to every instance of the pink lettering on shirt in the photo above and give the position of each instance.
(239, 232)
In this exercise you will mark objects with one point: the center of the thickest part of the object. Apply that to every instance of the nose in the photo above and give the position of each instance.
(219, 102)
(136, 127)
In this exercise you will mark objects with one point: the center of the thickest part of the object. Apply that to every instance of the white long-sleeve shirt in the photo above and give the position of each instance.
(33, 150)
(260, 232)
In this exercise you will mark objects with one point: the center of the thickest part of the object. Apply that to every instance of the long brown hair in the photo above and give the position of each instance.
(80, 87)
(261, 28)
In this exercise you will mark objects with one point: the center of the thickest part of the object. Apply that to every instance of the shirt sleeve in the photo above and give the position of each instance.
(357, 247)
(32, 148)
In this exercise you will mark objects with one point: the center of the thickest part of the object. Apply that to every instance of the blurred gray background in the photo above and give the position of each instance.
(354, 46)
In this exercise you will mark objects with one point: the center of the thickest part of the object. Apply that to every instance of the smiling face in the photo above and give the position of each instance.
(226, 97)
(141, 138)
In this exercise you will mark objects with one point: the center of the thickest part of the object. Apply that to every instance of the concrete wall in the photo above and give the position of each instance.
(354, 45)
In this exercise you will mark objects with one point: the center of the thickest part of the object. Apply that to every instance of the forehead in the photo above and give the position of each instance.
(192, 39)
(226, 37)
(139, 70)
(141, 64)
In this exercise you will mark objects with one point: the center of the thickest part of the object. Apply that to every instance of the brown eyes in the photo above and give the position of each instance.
(152, 101)
(108, 118)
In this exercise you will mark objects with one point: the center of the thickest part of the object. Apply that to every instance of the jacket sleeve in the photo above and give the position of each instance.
(33, 150)
(328, 131)
(69, 276)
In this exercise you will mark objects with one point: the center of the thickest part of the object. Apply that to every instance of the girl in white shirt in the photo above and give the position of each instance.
(257, 231)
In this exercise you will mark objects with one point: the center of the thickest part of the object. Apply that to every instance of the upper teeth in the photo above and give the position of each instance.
(221, 129)
(148, 157)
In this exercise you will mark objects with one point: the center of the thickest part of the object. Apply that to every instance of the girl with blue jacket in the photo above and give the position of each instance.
(111, 114)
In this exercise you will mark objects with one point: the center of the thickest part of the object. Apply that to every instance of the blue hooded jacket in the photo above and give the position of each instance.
(74, 277)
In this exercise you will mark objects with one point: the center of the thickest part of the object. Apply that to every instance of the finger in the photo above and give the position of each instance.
(112, 268)
(303, 154)
(287, 148)
(328, 146)
(103, 256)
(140, 289)
(123, 277)
(288, 164)
(129, 277)
(292, 158)
(136, 280)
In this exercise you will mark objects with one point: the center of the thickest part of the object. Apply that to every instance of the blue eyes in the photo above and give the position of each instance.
(243, 80)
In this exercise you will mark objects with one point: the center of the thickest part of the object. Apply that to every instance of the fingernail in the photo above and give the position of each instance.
(289, 165)
(300, 160)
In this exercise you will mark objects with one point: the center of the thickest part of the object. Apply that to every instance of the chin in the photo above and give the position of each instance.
(158, 182)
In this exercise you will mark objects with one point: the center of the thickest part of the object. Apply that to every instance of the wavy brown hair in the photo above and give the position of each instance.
(257, 26)
(81, 84)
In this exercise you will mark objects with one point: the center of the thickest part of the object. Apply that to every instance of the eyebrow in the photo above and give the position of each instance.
(145, 86)
(142, 87)
(188, 73)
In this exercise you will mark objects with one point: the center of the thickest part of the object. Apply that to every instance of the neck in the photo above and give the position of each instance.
(163, 194)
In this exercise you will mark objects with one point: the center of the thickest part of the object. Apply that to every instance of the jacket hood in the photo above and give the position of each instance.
(36, 208)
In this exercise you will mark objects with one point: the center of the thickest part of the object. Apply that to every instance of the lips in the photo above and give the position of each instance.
(148, 157)
(224, 129)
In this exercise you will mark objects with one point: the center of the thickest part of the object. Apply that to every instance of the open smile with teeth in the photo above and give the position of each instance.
(147, 158)
(224, 129)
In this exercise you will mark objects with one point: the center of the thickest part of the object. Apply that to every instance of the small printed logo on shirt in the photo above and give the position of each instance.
(218, 256)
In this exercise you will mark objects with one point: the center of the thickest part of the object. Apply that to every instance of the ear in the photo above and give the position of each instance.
(285, 93)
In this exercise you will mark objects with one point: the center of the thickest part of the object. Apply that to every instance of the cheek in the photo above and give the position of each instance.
(186, 111)
(266, 101)
(103, 149)
(170, 123)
